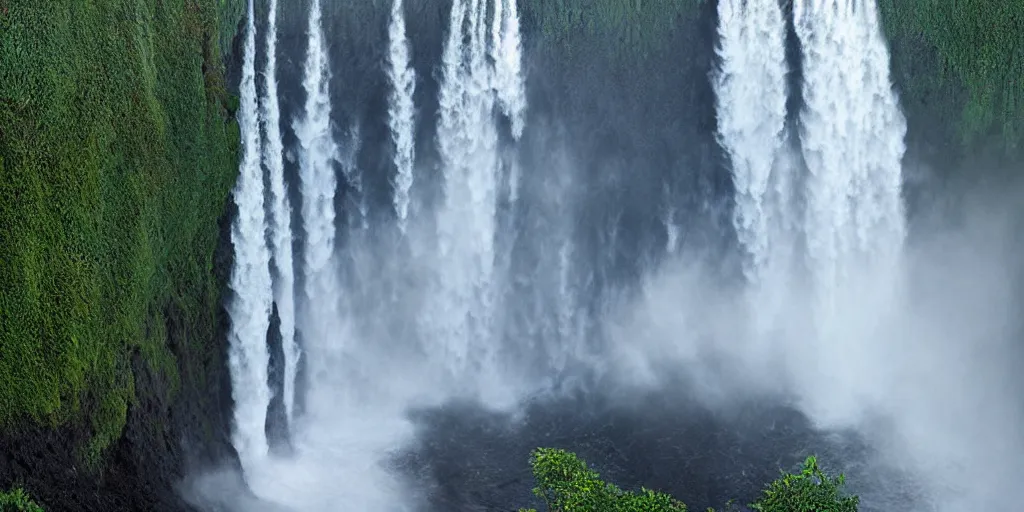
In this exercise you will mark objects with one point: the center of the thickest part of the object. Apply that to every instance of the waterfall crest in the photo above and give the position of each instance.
(751, 104)
(852, 141)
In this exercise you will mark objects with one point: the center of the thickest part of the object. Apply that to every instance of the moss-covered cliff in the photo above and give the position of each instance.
(118, 153)
(960, 68)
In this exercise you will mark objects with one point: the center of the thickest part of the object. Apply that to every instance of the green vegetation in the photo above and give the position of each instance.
(979, 45)
(566, 484)
(116, 157)
(17, 501)
(809, 490)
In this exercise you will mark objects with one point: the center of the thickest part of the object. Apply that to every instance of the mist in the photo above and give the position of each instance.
(606, 304)
(928, 377)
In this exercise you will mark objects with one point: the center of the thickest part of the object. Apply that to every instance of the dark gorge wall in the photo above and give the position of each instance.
(119, 150)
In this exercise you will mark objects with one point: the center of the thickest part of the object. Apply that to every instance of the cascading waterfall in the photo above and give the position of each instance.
(510, 92)
(281, 215)
(509, 83)
(317, 154)
(751, 104)
(852, 141)
(401, 111)
(528, 250)
(467, 139)
(250, 276)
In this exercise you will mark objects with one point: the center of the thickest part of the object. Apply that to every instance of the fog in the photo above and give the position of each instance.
(929, 376)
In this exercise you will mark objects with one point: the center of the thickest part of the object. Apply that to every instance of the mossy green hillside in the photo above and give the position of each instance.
(980, 48)
(117, 158)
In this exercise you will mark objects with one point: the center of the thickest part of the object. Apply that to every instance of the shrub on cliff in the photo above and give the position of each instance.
(17, 500)
(566, 484)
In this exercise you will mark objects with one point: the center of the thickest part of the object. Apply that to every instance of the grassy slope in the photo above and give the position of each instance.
(116, 158)
(980, 48)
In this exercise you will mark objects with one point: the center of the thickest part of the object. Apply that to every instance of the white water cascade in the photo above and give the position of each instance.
(250, 276)
(281, 217)
(401, 111)
(466, 221)
(317, 154)
(852, 141)
(751, 105)
(508, 62)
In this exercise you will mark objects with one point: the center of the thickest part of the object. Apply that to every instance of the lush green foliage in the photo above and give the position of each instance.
(17, 501)
(980, 44)
(566, 484)
(810, 490)
(117, 157)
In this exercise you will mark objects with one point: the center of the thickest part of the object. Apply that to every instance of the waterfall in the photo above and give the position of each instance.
(509, 83)
(317, 155)
(250, 276)
(401, 111)
(466, 223)
(852, 141)
(509, 87)
(751, 104)
(281, 216)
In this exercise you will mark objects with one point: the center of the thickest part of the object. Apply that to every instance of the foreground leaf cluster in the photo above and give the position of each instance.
(566, 484)
(17, 500)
